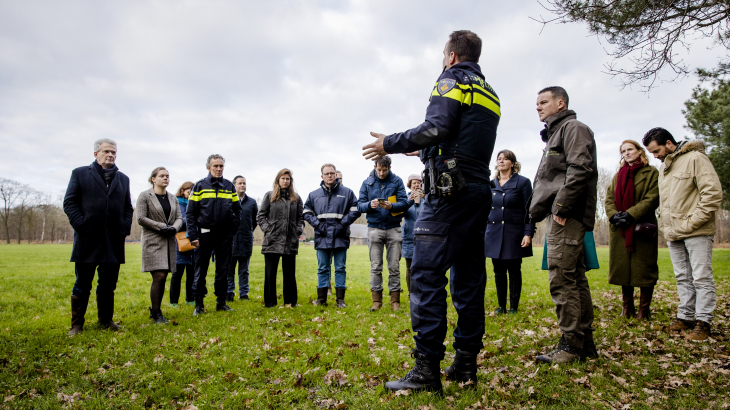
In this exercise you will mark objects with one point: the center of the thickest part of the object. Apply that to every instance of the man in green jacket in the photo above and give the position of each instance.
(690, 194)
(565, 194)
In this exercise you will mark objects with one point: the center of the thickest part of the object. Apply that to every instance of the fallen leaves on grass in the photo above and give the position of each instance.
(69, 398)
(334, 375)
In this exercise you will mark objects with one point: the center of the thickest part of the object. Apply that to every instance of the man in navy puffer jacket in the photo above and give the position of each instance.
(383, 198)
(330, 209)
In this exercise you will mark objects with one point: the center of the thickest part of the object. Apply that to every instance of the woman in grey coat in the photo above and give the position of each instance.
(159, 216)
(280, 217)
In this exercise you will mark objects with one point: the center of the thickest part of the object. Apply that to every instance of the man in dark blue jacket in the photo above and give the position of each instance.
(330, 210)
(99, 208)
(383, 198)
(212, 217)
(242, 242)
(456, 141)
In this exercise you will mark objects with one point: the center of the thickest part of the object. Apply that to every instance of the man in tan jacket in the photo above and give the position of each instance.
(690, 194)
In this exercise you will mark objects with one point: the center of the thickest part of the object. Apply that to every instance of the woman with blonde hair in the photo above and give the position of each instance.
(159, 216)
(280, 217)
(631, 203)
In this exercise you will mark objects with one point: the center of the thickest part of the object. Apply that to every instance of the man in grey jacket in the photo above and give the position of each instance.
(565, 194)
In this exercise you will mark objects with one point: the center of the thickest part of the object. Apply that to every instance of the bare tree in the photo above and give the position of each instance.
(25, 203)
(9, 192)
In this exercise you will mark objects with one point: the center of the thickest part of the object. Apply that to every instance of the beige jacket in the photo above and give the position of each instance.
(158, 252)
(689, 192)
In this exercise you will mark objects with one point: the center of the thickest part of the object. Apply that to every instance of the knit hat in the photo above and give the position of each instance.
(412, 177)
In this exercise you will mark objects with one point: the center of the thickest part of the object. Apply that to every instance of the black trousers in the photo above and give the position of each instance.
(222, 244)
(288, 267)
(176, 281)
(514, 267)
(106, 285)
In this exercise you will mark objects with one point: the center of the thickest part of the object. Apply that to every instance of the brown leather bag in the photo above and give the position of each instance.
(645, 230)
(183, 243)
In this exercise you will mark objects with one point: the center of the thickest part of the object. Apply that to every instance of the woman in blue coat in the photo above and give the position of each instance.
(414, 201)
(508, 239)
(184, 260)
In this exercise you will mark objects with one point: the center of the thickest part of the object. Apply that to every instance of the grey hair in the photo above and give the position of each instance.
(97, 144)
(328, 165)
(212, 157)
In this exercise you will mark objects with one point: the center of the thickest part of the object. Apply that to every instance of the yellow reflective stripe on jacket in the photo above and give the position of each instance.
(210, 194)
(468, 97)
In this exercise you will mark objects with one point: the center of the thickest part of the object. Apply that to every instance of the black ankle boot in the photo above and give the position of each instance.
(199, 307)
(156, 315)
(464, 368)
(425, 375)
(340, 292)
(321, 297)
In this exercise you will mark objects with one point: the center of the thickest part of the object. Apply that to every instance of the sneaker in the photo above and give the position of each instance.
(174, 305)
(679, 325)
(244, 297)
(500, 311)
(199, 310)
(223, 308)
(513, 311)
(700, 332)
(190, 303)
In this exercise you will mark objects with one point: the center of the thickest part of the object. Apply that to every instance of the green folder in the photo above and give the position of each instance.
(590, 258)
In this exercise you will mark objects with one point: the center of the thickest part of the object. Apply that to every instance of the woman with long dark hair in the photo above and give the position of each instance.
(280, 217)
(508, 238)
(185, 260)
(159, 216)
(631, 201)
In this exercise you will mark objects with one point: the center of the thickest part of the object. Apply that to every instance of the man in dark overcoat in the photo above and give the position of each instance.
(99, 207)
(242, 242)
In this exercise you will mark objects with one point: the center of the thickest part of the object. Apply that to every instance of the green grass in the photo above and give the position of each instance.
(320, 357)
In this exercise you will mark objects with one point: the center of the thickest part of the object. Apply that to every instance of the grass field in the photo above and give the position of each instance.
(321, 357)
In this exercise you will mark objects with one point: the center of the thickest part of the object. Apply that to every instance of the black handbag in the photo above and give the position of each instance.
(645, 230)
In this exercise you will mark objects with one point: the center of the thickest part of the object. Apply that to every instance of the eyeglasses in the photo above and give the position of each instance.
(329, 174)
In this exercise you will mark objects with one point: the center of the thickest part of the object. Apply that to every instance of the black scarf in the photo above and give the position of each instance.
(106, 174)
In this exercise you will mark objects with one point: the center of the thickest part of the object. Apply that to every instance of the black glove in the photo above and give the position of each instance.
(613, 220)
(626, 221)
(168, 231)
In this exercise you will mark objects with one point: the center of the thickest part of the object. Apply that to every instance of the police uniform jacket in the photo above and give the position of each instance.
(374, 188)
(506, 226)
(213, 204)
(243, 239)
(330, 212)
(461, 123)
(101, 215)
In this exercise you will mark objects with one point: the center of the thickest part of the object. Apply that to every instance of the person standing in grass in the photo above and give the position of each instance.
(690, 194)
(184, 260)
(159, 216)
(631, 200)
(508, 238)
(99, 208)
(565, 195)
(330, 210)
(212, 219)
(411, 215)
(242, 242)
(280, 217)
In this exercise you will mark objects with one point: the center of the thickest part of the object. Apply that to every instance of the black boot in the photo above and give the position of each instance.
(321, 297)
(425, 375)
(340, 297)
(199, 307)
(78, 310)
(105, 312)
(156, 315)
(590, 351)
(464, 368)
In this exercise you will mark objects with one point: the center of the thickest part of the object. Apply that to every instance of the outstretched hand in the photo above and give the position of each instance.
(375, 150)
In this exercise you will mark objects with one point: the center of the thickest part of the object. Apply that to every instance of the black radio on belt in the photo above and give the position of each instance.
(452, 181)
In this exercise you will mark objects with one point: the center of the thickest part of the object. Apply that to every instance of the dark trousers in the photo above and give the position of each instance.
(288, 267)
(242, 263)
(176, 281)
(514, 267)
(450, 235)
(106, 284)
(568, 282)
(221, 243)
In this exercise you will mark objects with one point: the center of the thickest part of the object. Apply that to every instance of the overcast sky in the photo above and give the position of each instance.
(285, 84)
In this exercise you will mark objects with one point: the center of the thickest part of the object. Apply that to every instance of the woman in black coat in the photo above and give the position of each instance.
(508, 239)
(280, 217)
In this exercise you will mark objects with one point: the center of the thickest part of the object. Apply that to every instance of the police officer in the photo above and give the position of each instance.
(212, 217)
(456, 142)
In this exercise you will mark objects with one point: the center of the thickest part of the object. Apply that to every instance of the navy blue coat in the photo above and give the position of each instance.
(243, 239)
(183, 258)
(409, 221)
(374, 188)
(506, 226)
(331, 212)
(101, 216)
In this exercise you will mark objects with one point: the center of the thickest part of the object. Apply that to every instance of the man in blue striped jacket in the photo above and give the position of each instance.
(330, 209)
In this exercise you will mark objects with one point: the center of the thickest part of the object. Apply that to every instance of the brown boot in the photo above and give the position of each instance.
(377, 300)
(679, 325)
(629, 310)
(645, 303)
(105, 307)
(395, 300)
(700, 332)
(78, 311)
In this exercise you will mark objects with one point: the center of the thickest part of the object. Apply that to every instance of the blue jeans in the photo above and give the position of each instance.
(242, 276)
(324, 259)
